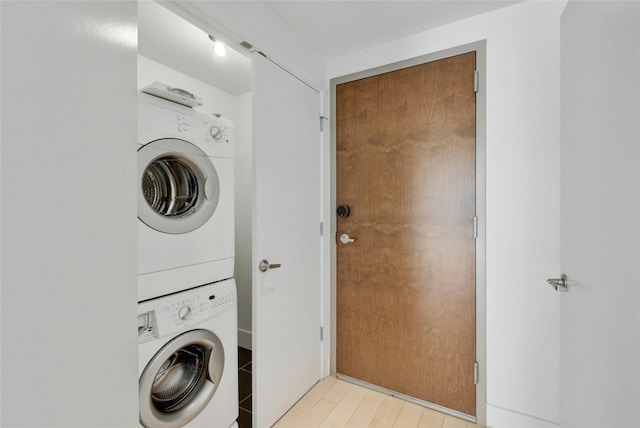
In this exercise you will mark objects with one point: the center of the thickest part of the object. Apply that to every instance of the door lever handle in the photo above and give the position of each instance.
(264, 266)
(345, 239)
(559, 284)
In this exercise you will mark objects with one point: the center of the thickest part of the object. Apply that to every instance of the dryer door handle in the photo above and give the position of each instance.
(209, 189)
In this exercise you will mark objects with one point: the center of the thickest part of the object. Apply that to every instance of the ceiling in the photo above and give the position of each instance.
(329, 28)
(336, 28)
(176, 43)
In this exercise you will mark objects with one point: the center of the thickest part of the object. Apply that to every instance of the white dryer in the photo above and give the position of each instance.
(188, 358)
(185, 197)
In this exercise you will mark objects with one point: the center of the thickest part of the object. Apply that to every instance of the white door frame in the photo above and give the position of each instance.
(480, 49)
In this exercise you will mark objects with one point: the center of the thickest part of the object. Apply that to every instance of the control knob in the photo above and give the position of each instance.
(184, 313)
(215, 132)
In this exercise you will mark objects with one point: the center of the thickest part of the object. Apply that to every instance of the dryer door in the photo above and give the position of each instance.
(178, 186)
(180, 380)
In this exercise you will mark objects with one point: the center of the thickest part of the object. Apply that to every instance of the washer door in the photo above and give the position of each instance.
(180, 379)
(178, 187)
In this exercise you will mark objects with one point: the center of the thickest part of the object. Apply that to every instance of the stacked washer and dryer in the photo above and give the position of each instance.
(187, 308)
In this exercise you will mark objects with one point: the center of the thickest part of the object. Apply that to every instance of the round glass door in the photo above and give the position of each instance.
(178, 186)
(170, 186)
(180, 379)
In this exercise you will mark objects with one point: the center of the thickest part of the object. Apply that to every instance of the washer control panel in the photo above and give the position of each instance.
(176, 312)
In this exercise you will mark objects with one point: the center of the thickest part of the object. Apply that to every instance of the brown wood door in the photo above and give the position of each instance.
(406, 285)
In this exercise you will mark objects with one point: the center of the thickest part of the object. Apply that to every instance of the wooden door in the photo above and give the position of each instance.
(406, 285)
(286, 300)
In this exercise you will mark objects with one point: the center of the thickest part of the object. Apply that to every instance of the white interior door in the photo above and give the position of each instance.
(286, 299)
(600, 345)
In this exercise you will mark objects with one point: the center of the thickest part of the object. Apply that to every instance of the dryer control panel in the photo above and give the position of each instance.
(184, 310)
(212, 130)
(159, 118)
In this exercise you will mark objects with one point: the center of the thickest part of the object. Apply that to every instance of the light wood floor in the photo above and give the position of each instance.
(333, 403)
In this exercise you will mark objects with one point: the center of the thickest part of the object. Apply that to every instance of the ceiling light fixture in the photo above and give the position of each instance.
(218, 46)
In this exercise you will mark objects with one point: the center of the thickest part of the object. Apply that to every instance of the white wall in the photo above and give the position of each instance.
(522, 196)
(244, 204)
(238, 110)
(214, 100)
(69, 343)
(600, 347)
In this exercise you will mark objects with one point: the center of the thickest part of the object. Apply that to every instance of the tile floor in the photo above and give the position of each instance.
(244, 387)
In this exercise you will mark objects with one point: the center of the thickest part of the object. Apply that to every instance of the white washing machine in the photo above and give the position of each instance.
(185, 197)
(188, 358)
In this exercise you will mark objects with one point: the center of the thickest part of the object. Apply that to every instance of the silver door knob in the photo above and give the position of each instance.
(345, 239)
(264, 266)
(559, 284)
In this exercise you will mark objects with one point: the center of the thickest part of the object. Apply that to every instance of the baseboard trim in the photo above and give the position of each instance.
(244, 339)
(498, 417)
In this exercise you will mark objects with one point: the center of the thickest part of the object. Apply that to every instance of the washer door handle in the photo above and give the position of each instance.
(264, 266)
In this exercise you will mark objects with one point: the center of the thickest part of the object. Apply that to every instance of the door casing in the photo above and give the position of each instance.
(480, 48)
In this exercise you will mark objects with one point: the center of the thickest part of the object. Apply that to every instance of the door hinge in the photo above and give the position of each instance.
(321, 334)
(475, 227)
(321, 229)
(322, 119)
(476, 81)
(476, 373)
